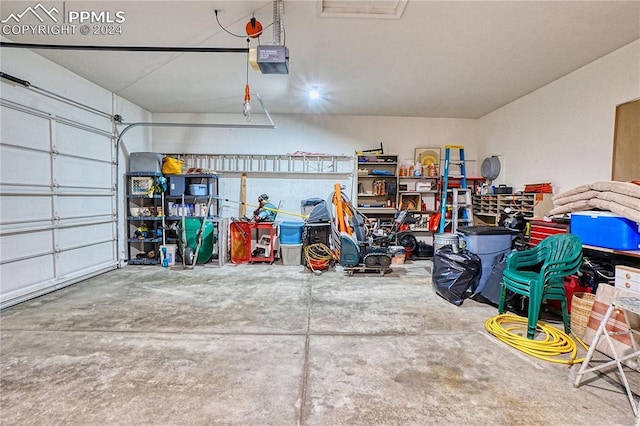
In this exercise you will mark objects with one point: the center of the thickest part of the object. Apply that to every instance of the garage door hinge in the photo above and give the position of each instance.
(55, 185)
(57, 249)
(55, 151)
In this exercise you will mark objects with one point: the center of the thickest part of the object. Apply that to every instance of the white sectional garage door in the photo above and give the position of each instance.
(57, 201)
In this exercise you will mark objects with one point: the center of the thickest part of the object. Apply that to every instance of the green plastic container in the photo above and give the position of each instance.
(193, 225)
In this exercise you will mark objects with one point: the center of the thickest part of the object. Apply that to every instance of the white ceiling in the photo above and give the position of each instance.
(432, 59)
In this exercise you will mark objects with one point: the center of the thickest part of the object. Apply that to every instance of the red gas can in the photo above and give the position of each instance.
(571, 285)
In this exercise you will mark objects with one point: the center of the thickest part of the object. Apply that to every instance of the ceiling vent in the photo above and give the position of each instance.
(361, 9)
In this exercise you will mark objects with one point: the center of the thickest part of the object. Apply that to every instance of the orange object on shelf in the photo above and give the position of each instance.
(543, 188)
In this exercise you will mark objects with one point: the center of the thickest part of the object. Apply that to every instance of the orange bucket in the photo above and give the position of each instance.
(318, 265)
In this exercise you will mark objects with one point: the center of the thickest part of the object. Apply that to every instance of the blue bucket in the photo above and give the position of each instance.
(291, 232)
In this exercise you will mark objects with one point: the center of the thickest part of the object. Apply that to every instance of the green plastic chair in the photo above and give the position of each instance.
(539, 272)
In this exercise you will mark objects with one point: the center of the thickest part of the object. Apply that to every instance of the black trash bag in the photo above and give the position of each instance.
(455, 275)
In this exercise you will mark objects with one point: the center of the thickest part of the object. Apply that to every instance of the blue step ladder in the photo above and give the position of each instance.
(461, 211)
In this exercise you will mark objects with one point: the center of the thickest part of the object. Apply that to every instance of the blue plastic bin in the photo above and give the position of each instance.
(490, 243)
(291, 232)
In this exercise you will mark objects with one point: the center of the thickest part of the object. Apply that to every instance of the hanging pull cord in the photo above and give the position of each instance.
(247, 96)
(246, 108)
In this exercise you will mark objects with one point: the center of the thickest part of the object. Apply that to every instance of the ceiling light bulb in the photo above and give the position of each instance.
(314, 94)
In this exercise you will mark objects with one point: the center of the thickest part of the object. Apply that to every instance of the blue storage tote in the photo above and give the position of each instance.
(606, 229)
(291, 232)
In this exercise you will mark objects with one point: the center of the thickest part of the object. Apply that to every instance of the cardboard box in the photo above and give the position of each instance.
(606, 229)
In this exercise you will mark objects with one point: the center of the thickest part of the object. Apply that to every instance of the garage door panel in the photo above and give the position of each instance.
(76, 261)
(14, 132)
(71, 140)
(19, 246)
(31, 210)
(27, 276)
(82, 206)
(74, 172)
(56, 195)
(15, 161)
(70, 238)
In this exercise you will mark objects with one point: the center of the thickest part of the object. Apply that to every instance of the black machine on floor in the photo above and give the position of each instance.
(355, 249)
(359, 248)
(376, 251)
(362, 248)
(515, 221)
(402, 235)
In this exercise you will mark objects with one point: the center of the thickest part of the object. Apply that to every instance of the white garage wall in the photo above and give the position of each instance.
(138, 141)
(57, 180)
(563, 132)
(328, 134)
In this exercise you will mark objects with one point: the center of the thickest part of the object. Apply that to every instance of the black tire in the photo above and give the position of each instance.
(188, 255)
(408, 241)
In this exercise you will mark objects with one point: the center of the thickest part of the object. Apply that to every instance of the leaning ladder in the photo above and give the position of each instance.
(461, 211)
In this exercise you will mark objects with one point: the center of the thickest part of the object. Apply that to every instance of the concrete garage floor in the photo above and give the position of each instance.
(276, 345)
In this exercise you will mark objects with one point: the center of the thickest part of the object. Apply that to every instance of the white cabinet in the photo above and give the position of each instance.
(627, 278)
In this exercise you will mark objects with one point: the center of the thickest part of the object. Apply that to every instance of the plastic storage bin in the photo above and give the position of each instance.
(145, 162)
(176, 185)
(198, 189)
(291, 254)
(606, 229)
(490, 243)
(291, 232)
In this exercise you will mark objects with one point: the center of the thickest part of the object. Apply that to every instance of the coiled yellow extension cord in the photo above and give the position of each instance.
(556, 342)
(318, 254)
